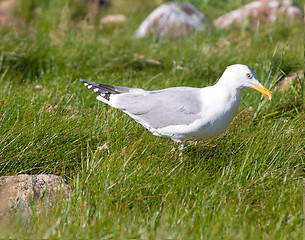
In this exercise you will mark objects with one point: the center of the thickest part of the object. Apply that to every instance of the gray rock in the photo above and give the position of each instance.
(8, 7)
(10, 21)
(173, 19)
(22, 193)
(263, 10)
(290, 79)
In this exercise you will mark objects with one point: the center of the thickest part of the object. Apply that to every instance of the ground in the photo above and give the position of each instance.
(246, 183)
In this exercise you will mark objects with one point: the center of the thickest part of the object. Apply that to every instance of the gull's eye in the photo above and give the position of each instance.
(248, 75)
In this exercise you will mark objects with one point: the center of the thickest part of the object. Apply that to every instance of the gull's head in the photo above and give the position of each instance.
(240, 76)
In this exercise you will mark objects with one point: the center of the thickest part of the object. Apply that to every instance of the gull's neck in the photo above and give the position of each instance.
(228, 92)
(220, 104)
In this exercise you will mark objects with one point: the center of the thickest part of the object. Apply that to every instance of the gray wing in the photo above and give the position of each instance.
(158, 109)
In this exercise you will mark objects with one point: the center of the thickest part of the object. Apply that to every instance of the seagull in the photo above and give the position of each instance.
(183, 113)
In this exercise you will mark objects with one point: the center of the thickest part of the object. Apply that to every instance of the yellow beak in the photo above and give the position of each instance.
(263, 90)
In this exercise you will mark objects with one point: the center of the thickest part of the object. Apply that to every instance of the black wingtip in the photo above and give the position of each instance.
(89, 82)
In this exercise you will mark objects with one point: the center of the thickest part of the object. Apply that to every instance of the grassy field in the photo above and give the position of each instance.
(244, 184)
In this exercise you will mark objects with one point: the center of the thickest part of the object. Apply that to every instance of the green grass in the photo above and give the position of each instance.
(244, 184)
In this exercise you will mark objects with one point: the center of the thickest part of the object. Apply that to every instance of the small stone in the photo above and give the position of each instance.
(153, 61)
(284, 83)
(10, 21)
(8, 6)
(39, 86)
(112, 19)
(23, 192)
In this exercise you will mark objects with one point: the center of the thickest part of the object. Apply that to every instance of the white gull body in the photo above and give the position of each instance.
(183, 113)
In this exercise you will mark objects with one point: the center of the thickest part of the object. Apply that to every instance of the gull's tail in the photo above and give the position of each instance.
(103, 90)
